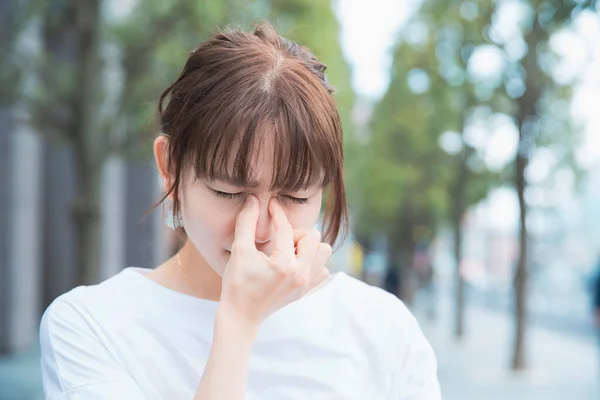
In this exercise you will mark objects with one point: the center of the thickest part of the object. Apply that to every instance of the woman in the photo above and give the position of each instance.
(246, 309)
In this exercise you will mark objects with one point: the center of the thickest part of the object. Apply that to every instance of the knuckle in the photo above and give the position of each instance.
(300, 280)
(281, 270)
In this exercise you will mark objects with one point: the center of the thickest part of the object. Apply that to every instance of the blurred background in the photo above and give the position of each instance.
(472, 134)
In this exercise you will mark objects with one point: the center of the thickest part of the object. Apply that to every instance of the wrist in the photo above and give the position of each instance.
(229, 321)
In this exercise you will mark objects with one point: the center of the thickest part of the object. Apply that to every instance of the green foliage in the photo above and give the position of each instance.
(16, 17)
(314, 24)
(154, 42)
(430, 93)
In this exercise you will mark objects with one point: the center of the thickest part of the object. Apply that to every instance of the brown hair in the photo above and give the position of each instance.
(235, 85)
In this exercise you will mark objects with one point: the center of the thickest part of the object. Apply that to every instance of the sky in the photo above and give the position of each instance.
(368, 32)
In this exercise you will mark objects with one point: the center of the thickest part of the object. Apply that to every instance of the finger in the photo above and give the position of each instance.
(322, 254)
(245, 224)
(307, 248)
(320, 276)
(298, 234)
(284, 236)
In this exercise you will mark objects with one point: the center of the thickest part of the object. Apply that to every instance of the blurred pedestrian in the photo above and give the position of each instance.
(251, 139)
(596, 298)
(392, 280)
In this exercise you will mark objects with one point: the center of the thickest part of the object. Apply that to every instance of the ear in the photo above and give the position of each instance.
(161, 156)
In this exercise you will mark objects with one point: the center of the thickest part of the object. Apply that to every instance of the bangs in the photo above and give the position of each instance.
(228, 144)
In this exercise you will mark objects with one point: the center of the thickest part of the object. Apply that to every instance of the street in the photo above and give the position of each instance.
(561, 366)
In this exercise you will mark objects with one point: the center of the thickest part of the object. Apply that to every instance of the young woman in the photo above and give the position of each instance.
(246, 309)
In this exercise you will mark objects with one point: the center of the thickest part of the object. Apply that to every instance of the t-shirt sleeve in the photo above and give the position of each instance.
(75, 364)
(414, 371)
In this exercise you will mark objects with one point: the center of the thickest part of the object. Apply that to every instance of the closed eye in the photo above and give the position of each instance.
(231, 196)
(226, 195)
(296, 200)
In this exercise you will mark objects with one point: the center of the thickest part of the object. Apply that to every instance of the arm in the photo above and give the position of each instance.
(226, 371)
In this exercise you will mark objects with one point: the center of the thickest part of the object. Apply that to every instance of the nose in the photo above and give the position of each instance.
(264, 227)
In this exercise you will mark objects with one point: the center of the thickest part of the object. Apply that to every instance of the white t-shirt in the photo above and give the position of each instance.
(131, 338)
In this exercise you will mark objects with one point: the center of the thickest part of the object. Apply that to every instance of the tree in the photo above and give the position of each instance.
(540, 90)
(72, 104)
(65, 108)
(457, 30)
(430, 81)
(14, 19)
(404, 173)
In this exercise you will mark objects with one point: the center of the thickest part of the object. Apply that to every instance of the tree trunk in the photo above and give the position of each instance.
(407, 278)
(526, 120)
(520, 280)
(459, 209)
(86, 216)
(402, 257)
(87, 144)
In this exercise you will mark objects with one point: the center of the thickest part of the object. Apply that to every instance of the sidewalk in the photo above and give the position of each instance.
(561, 367)
(21, 377)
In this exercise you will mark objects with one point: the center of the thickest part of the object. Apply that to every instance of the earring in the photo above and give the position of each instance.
(173, 222)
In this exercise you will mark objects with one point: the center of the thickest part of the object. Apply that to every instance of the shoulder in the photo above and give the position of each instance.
(369, 304)
(393, 335)
(377, 316)
(66, 320)
(76, 357)
(83, 306)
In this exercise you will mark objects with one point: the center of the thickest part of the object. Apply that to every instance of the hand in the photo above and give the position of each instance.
(256, 285)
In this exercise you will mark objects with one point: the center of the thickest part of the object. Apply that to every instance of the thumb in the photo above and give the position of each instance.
(245, 224)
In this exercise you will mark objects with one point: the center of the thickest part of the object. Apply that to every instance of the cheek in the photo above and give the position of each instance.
(207, 224)
(304, 216)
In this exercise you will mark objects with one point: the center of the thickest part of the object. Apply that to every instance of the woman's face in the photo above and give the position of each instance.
(210, 209)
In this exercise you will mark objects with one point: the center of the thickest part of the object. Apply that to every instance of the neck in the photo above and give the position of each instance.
(202, 280)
